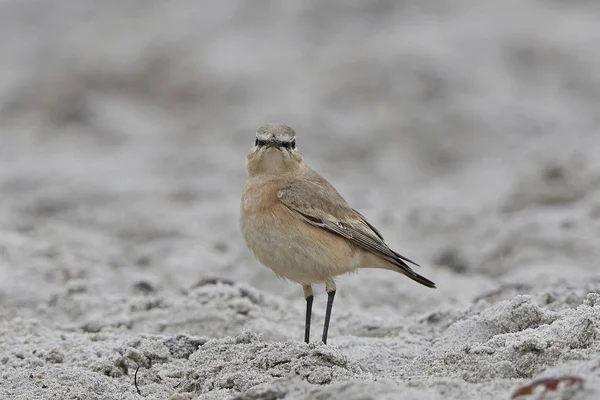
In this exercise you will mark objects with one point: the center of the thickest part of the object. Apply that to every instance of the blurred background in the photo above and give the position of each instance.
(468, 131)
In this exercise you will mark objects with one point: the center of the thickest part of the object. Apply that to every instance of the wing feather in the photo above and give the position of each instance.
(321, 205)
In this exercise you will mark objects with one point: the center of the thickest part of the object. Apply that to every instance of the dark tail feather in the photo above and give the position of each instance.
(421, 279)
(406, 270)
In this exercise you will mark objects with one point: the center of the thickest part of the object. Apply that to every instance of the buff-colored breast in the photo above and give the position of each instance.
(282, 241)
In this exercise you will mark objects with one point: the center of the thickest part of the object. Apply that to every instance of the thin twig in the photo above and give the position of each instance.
(135, 380)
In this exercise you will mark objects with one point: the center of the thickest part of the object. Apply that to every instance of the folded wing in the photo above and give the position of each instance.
(319, 204)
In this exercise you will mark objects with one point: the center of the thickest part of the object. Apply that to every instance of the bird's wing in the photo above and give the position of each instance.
(319, 204)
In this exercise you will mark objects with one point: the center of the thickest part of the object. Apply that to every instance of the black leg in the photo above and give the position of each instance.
(330, 296)
(309, 301)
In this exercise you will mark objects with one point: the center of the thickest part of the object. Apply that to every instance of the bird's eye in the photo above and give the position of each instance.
(288, 145)
(256, 142)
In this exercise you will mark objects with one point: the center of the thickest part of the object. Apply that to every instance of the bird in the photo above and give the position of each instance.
(298, 225)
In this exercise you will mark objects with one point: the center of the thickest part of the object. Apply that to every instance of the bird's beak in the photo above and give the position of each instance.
(274, 144)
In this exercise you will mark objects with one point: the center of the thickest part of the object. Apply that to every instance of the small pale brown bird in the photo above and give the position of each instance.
(300, 227)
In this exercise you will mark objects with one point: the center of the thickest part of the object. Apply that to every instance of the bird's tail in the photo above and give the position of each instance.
(397, 264)
(418, 278)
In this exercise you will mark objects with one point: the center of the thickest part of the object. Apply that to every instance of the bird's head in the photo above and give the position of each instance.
(274, 151)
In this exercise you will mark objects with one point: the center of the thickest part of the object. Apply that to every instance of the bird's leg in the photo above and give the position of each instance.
(308, 295)
(330, 288)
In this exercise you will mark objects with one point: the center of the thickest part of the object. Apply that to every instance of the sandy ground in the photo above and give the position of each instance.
(467, 131)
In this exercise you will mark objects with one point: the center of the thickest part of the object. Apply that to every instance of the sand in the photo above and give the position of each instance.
(467, 132)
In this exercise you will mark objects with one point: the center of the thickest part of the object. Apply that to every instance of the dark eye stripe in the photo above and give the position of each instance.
(287, 145)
